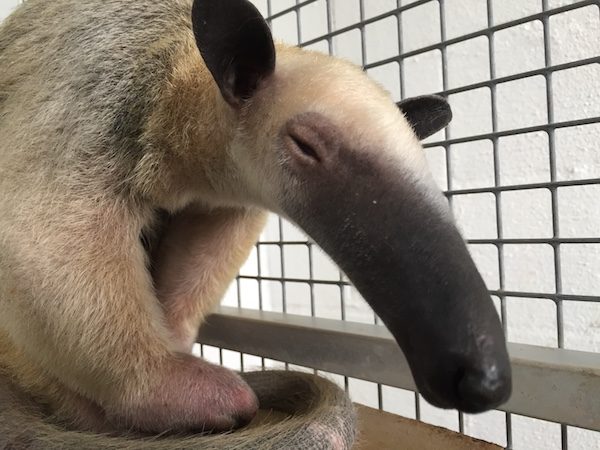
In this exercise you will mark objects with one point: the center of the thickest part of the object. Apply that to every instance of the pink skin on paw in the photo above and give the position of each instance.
(193, 395)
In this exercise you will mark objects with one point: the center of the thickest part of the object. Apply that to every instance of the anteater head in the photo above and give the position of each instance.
(320, 143)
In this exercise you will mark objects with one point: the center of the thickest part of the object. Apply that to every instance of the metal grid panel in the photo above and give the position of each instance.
(288, 273)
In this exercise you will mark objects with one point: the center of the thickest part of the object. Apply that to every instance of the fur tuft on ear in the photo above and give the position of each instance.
(427, 114)
(236, 45)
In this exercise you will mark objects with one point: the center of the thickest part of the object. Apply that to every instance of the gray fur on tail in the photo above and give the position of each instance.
(321, 417)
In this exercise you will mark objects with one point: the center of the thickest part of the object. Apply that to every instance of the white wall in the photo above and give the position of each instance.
(6, 7)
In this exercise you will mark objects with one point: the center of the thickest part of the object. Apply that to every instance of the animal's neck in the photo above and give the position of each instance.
(189, 131)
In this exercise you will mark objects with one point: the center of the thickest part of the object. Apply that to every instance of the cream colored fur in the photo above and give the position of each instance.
(91, 147)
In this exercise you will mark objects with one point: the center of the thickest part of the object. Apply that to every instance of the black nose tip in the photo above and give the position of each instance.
(481, 389)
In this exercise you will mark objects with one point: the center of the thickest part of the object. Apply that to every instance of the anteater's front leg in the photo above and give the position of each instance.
(81, 307)
(197, 256)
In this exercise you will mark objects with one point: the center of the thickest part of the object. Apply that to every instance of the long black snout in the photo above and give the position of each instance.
(394, 237)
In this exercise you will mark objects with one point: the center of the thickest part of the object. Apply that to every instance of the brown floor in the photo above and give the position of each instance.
(380, 430)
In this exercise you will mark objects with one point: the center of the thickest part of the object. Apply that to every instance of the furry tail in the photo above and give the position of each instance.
(318, 416)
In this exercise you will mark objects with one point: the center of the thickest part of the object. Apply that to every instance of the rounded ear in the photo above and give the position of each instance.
(427, 114)
(236, 45)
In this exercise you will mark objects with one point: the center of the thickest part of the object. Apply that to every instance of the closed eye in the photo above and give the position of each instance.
(305, 148)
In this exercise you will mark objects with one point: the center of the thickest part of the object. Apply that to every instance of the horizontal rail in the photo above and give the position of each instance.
(524, 187)
(514, 131)
(499, 293)
(551, 384)
(489, 241)
(519, 76)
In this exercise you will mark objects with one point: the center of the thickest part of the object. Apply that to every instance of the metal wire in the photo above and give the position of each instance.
(497, 197)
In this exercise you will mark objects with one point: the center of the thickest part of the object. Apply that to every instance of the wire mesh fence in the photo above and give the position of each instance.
(518, 166)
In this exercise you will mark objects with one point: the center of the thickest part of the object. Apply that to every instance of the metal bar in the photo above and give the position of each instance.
(514, 131)
(554, 195)
(518, 187)
(550, 296)
(521, 75)
(282, 265)
(498, 195)
(500, 293)
(447, 133)
(550, 384)
(402, 74)
(549, 240)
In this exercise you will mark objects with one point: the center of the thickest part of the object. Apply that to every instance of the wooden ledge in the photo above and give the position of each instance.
(380, 430)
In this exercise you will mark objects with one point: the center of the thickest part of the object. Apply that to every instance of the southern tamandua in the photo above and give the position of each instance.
(140, 143)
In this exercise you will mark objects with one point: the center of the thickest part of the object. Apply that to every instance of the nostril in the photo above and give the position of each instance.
(481, 389)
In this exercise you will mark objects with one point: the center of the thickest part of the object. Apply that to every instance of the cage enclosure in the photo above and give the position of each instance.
(520, 167)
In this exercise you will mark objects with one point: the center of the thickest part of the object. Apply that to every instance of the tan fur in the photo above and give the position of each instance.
(317, 416)
(88, 329)
(197, 259)
(189, 115)
(307, 81)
